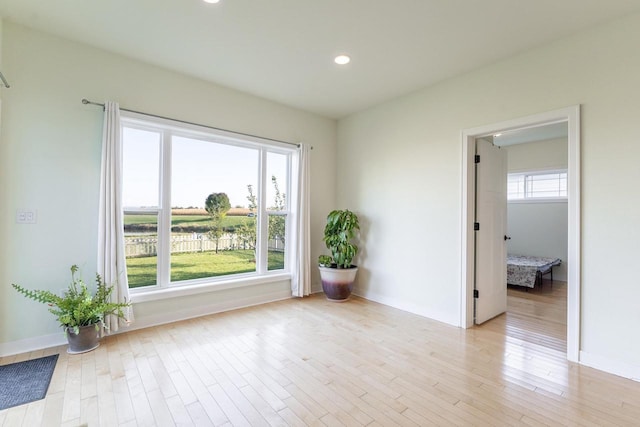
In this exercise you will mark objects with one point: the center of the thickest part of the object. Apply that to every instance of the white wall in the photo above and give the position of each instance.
(399, 167)
(548, 154)
(537, 228)
(50, 161)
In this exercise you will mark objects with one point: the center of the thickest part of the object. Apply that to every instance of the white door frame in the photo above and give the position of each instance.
(570, 115)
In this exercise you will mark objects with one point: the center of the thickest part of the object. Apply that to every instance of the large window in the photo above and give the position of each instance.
(543, 185)
(202, 205)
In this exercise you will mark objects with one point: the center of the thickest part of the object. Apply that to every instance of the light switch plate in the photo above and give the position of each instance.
(26, 216)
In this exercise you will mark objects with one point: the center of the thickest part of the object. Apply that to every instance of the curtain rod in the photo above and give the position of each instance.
(86, 101)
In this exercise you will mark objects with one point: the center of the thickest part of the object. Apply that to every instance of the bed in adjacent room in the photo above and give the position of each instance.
(525, 270)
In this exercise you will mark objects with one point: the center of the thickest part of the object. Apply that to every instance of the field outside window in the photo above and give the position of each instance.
(198, 207)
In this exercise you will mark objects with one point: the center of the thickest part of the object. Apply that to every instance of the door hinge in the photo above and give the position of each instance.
(476, 226)
(477, 158)
(476, 294)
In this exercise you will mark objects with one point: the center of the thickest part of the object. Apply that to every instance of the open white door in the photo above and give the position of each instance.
(490, 290)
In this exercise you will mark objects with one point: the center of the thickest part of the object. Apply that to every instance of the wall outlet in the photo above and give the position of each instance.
(26, 216)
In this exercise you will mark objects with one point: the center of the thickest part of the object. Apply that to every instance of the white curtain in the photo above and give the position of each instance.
(301, 253)
(111, 259)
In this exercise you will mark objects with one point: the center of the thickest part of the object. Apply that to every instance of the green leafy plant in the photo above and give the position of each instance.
(78, 306)
(340, 229)
(325, 260)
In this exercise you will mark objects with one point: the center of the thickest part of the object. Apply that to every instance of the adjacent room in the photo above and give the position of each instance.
(537, 235)
(191, 154)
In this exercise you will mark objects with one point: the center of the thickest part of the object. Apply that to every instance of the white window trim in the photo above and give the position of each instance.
(538, 200)
(559, 199)
(200, 286)
(164, 287)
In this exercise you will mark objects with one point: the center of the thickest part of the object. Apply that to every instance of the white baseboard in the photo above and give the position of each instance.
(53, 340)
(601, 363)
(32, 344)
(611, 366)
(405, 306)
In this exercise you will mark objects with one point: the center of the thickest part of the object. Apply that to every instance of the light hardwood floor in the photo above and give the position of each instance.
(537, 316)
(312, 362)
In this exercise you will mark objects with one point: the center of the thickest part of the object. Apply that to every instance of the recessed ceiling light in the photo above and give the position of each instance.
(342, 59)
(211, 1)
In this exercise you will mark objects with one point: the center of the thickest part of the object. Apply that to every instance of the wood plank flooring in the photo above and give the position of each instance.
(536, 316)
(312, 362)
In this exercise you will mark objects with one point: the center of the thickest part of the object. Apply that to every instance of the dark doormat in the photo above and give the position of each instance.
(25, 382)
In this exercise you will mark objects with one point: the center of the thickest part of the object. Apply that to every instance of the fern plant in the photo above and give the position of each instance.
(78, 306)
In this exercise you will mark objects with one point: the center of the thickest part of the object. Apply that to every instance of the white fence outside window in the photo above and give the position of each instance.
(147, 245)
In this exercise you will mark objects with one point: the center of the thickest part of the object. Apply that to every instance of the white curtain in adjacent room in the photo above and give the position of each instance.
(111, 258)
(301, 252)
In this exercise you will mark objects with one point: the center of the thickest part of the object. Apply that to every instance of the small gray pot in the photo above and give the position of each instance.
(87, 339)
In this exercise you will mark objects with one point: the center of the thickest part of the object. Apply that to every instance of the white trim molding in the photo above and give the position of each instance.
(32, 344)
(570, 115)
(615, 367)
(279, 291)
(204, 286)
(403, 305)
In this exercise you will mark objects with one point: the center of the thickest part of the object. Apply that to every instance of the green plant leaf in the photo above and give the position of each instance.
(78, 306)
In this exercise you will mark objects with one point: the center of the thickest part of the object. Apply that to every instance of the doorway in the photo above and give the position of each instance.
(571, 116)
(536, 211)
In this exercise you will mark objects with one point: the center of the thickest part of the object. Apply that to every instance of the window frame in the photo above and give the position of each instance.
(164, 287)
(536, 172)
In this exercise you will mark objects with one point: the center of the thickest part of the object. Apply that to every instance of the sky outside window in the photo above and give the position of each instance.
(140, 168)
(200, 168)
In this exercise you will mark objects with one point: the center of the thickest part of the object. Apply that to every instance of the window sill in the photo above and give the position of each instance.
(539, 200)
(204, 287)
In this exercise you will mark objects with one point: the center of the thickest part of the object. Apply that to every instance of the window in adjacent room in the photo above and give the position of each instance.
(172, 235)
(538, 186)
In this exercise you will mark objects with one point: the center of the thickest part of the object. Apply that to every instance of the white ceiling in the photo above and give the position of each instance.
(282, 50)
(532, 134)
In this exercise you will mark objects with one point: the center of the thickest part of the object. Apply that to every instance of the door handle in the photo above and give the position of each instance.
(507, 237)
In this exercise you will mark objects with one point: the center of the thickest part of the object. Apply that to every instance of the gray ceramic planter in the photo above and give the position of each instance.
(87, 339)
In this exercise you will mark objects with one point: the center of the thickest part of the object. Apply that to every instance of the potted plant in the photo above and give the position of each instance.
(80, 313)
(336, 271)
